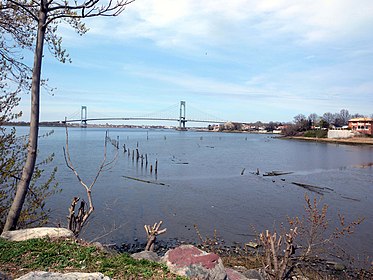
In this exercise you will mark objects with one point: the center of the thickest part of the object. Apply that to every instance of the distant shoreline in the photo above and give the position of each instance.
(347, 141)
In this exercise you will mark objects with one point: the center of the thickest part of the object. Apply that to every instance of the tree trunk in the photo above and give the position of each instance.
(28, 169)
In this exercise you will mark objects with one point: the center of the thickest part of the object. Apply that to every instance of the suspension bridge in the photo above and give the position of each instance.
(168, 114)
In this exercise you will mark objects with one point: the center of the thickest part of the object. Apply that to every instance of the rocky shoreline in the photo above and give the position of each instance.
(206, 261)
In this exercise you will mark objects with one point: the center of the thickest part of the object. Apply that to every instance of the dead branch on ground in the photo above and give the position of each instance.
(152, 233)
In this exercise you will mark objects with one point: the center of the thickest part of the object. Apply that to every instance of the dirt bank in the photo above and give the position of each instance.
(347, 141)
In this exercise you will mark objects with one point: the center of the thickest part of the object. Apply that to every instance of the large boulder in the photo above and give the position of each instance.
(40, 275)
(194, 263)
(42, 232)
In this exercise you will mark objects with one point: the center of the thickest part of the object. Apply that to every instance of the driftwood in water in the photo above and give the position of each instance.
(276, 173)
(257, 172)
(146, 181)
(312, 188)
(350, 198)
(151, 233)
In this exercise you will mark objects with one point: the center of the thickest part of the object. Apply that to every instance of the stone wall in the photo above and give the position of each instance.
(332, 133)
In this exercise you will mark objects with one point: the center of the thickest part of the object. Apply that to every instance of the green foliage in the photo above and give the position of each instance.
(316, 133)
(12, 157)
(63, 255)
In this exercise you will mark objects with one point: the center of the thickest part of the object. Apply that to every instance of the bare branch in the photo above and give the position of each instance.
(69, 163)
(26, 8)
(88, 9)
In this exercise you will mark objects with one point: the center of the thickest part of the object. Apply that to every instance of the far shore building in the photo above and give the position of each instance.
(361, 125)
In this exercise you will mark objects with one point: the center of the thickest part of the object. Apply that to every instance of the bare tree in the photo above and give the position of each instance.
(344, 115)
(328, 117)
(46, 15)
(299, 118)
(313, 118)
(77, 221)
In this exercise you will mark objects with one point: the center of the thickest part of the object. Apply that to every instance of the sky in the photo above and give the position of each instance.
(237, 60)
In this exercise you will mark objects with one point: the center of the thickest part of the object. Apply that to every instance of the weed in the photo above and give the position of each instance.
(212, 244)
(314, 233)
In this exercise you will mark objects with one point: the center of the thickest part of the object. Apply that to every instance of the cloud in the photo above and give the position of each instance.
(275, 56)
(183, 23)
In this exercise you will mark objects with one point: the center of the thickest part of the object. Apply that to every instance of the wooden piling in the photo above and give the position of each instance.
(156, 167)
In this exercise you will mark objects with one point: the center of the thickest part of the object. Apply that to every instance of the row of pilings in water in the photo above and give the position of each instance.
(141, 158)
(135, 154)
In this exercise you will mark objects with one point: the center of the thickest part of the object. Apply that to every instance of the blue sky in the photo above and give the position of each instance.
(239, 60)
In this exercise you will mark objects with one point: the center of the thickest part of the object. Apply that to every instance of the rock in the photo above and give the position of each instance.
(3, 276)
(339, 267)
(39, 275)
(42, 232)
(336, 265)
(99, 246)
(194, 263)
(234, 275)
(252, 244)
(254, 274)
(251, 274)
(146, 255)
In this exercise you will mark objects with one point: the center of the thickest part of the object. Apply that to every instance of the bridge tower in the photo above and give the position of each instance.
(182, 118)
(83, 116)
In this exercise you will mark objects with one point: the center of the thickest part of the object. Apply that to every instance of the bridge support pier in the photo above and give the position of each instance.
(83, 116)
(182, 118)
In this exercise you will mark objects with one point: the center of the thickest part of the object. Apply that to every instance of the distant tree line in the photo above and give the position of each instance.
(314, 125)
(301, 123)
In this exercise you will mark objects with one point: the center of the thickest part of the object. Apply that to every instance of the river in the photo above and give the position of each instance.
(209, 180)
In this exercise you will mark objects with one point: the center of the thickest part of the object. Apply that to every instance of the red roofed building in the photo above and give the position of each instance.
(362, 125)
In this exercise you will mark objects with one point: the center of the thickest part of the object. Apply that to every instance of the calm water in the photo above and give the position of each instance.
(204, 185)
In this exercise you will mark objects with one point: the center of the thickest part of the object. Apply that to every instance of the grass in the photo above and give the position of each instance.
(19, 258)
